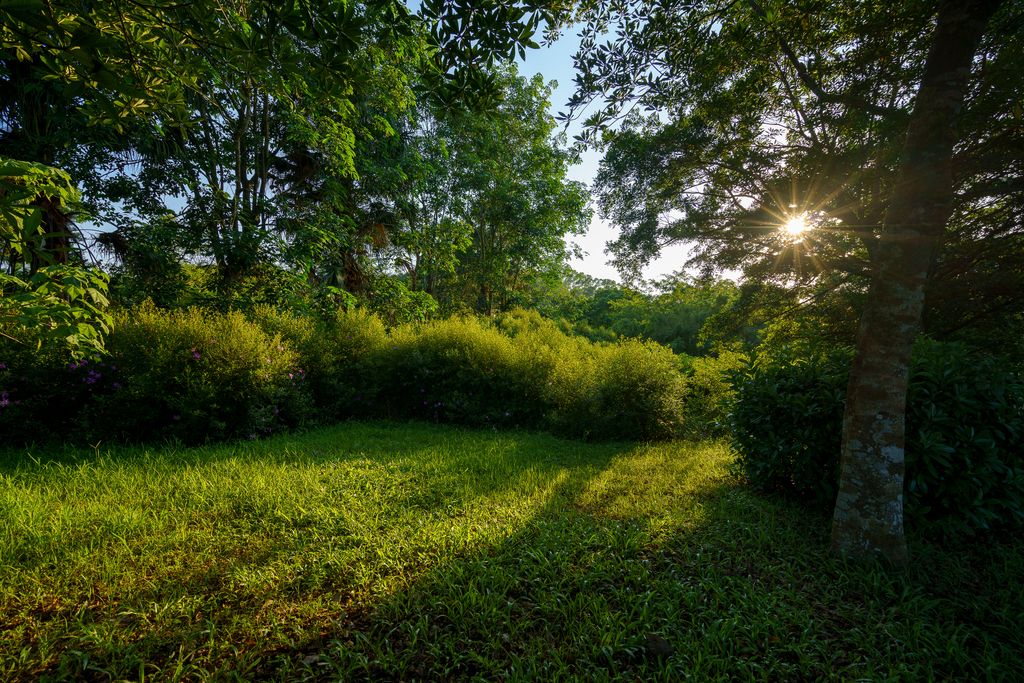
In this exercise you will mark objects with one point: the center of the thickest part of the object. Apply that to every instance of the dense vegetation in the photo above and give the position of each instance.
(416, 552)
(235, 221)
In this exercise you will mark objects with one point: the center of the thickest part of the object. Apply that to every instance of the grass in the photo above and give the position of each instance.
(405, 551)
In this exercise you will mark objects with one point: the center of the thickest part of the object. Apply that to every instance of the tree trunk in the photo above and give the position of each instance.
(868, 520)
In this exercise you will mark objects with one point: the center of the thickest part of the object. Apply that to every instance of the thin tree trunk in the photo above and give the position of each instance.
(868, 520)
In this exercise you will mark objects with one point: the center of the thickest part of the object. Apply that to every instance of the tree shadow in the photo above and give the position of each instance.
(659, 566)
(518, 556)
(267, 565)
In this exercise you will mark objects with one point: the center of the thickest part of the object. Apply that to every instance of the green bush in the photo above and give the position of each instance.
(43, 389)
(639, 392)
(339, 357)
(965, 440)
(785, 425)
(709, 393)
(458, 370)
(522, 370)
(196, 376)
(965, 425)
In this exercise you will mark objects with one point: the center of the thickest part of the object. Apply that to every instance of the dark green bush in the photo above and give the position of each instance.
(965, 427)
(43, 390)
(965, 440)
(785, 424)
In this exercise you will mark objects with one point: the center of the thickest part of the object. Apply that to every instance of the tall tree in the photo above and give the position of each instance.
(769, 118)
(487, 201)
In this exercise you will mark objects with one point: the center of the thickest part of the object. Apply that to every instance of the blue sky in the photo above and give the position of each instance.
(554, 62)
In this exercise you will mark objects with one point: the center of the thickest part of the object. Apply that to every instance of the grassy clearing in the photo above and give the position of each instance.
(401, 551)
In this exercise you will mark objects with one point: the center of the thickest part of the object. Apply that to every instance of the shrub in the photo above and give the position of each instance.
(709, 392)
(339, 356)
(458, 370)
(639, 392)
(785, 425)
(43, 389)
(965, 422)
(196, 376)
(630, 390)
(965, 440)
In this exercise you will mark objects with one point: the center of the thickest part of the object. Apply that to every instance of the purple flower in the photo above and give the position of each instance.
(291, 376)
(116, 385)
(3, 366)
(195, 354)
(4, 399)
(92, 377)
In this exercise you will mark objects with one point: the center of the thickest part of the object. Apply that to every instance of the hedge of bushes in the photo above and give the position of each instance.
(965, 435)
(196, 376)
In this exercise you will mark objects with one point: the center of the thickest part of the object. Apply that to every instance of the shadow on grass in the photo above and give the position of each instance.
(657, 566)
(516, 556)
(290, 532)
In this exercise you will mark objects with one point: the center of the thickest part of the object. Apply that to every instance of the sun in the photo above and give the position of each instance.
(796, 226)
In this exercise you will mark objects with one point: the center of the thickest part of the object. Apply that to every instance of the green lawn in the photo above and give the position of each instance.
(397, 551)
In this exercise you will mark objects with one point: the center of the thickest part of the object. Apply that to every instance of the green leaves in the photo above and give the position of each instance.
(61, 304)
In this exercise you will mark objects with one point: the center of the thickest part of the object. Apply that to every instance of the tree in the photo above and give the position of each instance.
(845, 120)
(483, 203)
(62, 303)
(518, 200)
(206, 89)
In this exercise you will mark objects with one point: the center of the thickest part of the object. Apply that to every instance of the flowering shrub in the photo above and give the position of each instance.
(194, 376)
(43, 389)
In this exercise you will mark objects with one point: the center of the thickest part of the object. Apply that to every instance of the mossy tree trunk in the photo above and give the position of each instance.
(868, 519)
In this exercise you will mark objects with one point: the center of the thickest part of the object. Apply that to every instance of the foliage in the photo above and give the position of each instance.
(238, 133)
(785, 425)
(459, 370)
(503, 556)
(50, 302)
(396, 304)
(738, 133)
(708, 395)
(964, 433)
(484, 202)
(631, 389)
(965, 413)
(196, 376)
(338, 354)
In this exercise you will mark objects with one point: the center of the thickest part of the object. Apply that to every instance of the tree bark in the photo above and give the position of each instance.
(868, 519)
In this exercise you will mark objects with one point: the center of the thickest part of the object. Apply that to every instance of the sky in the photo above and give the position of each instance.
(554, 62)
